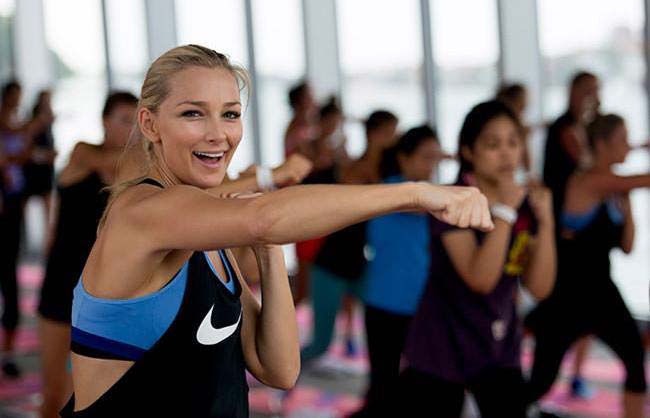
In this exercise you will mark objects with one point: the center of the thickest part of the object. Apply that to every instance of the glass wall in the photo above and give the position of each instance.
(381, 63)
(280, 62)
(6, 38)
(127, 43)
(466, 55)
(75, 38)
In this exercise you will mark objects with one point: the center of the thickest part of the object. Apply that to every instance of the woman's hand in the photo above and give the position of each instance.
(465, 207)
(541, 202)
(292, 171)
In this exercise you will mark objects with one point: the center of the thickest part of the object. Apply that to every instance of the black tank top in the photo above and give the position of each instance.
(342, 252)
(81, 206)
(583, 259)
(196, 369)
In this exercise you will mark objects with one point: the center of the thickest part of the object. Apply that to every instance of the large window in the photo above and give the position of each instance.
(280, 62)
(127, 43)
(222, 27)
(466, 53)
(73, 33)
(6, 39)
(607, 39)
(380, 43)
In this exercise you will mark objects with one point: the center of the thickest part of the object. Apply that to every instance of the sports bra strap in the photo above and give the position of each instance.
(151, 181)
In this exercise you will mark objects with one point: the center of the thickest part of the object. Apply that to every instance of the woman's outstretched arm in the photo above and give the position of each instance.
(185, 217)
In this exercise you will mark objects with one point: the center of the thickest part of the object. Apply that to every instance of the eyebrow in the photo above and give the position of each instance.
(204, 104)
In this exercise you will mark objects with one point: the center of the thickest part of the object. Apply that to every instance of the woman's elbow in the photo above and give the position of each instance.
(626, 247)
(541, 292)
(259, 226)
(542, 289)
(284, 380)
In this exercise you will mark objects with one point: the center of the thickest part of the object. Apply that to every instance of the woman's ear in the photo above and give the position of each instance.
(148, 125)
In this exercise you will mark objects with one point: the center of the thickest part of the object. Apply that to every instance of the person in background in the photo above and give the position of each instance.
(566, 144)
(303, 127)
(596, 218)
(327, 152)
(338, 269)
(329, 147)
(15, 140)
(398, 267)
(515, 96)
(566, 150)
(466, 334)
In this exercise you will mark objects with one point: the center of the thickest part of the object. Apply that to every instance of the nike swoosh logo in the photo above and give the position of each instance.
(209, 335)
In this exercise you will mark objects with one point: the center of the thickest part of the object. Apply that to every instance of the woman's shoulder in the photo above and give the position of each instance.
(78, 165)
(132, 192)
(140, 200)
(577, 179)
(85, 146)
(584, 181)
(82, 151)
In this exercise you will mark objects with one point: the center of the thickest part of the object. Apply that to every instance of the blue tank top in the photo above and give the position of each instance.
(400, 260)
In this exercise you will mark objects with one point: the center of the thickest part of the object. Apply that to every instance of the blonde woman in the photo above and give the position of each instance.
(162, 322)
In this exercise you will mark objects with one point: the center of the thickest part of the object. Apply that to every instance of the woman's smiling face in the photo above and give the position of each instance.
(198, 126)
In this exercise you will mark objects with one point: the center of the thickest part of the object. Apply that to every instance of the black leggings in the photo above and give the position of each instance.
(10, 228)
(498, 394)
(561, 320)
(386, 333)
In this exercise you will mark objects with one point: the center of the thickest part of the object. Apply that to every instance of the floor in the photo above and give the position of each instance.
(331, 388)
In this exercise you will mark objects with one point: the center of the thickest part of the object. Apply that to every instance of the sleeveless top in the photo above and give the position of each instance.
(195, 369)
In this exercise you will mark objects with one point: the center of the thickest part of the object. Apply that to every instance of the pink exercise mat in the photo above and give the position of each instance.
(303, 400)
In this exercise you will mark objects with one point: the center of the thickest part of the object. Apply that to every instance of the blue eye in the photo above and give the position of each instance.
(232, 115)
(191, 113)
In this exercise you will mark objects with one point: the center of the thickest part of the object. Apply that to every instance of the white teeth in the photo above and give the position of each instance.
(210, 155)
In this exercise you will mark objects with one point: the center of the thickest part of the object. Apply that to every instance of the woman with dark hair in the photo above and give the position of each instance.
(515, 96)
(566, 143)
(398, 267)
(303, 127)
(596, 217)
(466, 334)
(565, 151)
(328, 148)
